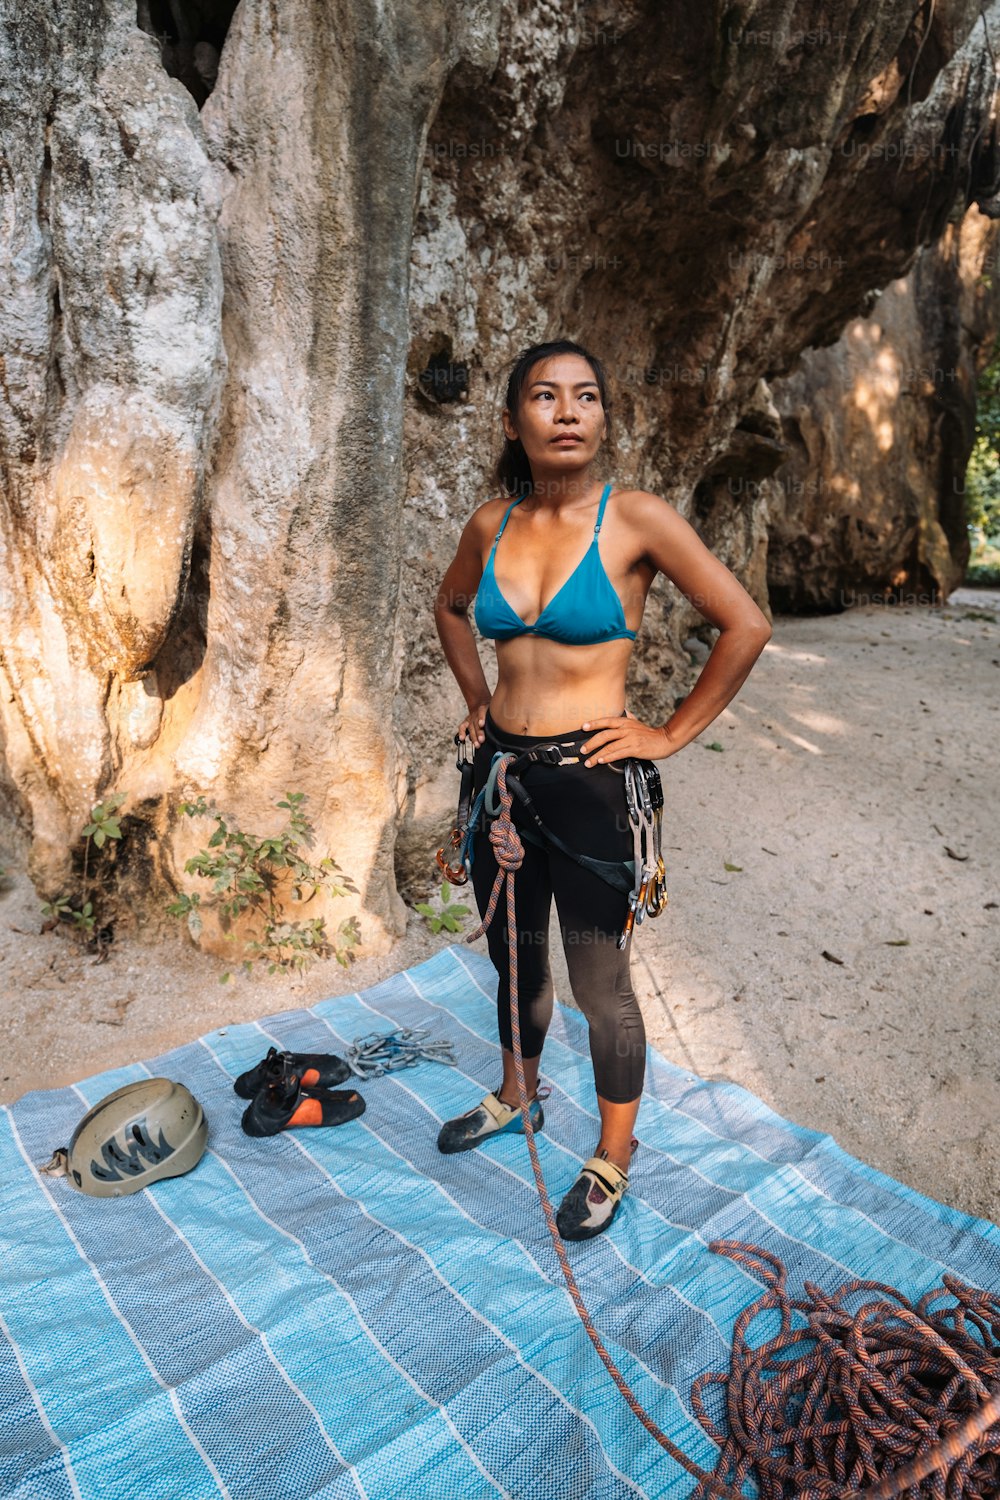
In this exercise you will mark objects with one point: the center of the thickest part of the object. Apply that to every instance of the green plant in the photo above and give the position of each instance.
(446, 915)
(984, 562)
(103, 825)
(982, 475)
(247, 873)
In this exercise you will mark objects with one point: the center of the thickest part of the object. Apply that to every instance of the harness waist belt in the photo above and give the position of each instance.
(617, 873)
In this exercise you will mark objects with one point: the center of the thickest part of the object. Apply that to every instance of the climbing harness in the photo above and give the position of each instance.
(385, 1052)
(640, 878)
(810, 1483)
(617, 873)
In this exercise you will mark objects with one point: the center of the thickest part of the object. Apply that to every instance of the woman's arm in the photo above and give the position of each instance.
(674, 548)
(451, 610)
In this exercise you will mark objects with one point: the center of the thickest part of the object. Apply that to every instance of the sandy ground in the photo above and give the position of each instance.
(846, 972)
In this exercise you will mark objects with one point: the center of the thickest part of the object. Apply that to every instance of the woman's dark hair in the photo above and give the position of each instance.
(512, 471)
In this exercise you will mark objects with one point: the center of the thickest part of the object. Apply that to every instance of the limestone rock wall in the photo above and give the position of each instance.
(869, 503)
(698, 194)
(112, 373)
(204, 327)
(257, 292)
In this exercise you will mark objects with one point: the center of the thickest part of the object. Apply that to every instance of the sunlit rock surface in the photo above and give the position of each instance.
(262, 269)
(869, 505)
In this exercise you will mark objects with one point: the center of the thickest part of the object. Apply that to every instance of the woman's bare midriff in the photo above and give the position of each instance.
(546, 687)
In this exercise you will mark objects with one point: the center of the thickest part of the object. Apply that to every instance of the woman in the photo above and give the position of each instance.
(563, 638)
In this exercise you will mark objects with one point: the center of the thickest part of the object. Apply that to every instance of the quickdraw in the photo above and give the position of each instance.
(385, 1052)
(644, 800)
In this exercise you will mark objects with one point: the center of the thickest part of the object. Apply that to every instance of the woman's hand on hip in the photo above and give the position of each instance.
(618, 739)
(472, 724)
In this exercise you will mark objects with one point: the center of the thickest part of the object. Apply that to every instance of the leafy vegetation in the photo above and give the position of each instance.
(250, 873)
(103, 826)
(446, 915)
(982, 479)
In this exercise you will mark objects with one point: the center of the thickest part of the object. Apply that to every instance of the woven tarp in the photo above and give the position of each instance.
(348, 1313)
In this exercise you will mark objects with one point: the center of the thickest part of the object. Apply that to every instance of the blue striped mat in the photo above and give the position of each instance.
(349, 1313)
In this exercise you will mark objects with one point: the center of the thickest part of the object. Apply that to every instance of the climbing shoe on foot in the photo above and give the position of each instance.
(315, 1069)
(284, 1104)
(489, 1118)
(594, 1199)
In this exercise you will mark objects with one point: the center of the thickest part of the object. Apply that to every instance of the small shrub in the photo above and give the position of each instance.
(103, 825)
(444, 916)
(247, 872)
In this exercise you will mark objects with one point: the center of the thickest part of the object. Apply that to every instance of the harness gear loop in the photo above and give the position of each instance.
(644, 800)
(458, 872)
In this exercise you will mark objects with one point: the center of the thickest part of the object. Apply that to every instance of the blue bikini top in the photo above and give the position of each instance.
(586, 609)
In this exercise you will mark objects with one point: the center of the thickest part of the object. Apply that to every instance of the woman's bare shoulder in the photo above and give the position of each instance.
(640, 508)
(486, 518)
(480, 528)
(639, 502)
(494, 507)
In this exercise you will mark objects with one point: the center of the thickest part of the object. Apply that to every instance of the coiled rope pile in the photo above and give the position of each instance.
(882, 1399)
(897, 1398)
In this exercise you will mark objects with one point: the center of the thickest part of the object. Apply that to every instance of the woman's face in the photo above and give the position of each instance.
(560, 418)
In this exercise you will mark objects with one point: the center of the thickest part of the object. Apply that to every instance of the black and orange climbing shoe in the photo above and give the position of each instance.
(594, 1199)
(489, 1118)
(315, 1069)
(285, 1104)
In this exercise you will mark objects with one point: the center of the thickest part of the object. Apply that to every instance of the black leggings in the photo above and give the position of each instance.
(585, 807)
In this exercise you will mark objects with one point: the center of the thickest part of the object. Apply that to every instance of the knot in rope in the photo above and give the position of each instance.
(507, 846)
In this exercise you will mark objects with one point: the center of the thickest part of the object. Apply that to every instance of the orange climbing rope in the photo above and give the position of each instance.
(822, 1410)
(509, 852)
(943, 1447)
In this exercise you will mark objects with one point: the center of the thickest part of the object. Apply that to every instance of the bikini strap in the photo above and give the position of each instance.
(600, 513)
(604, 501)
(506, 513)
